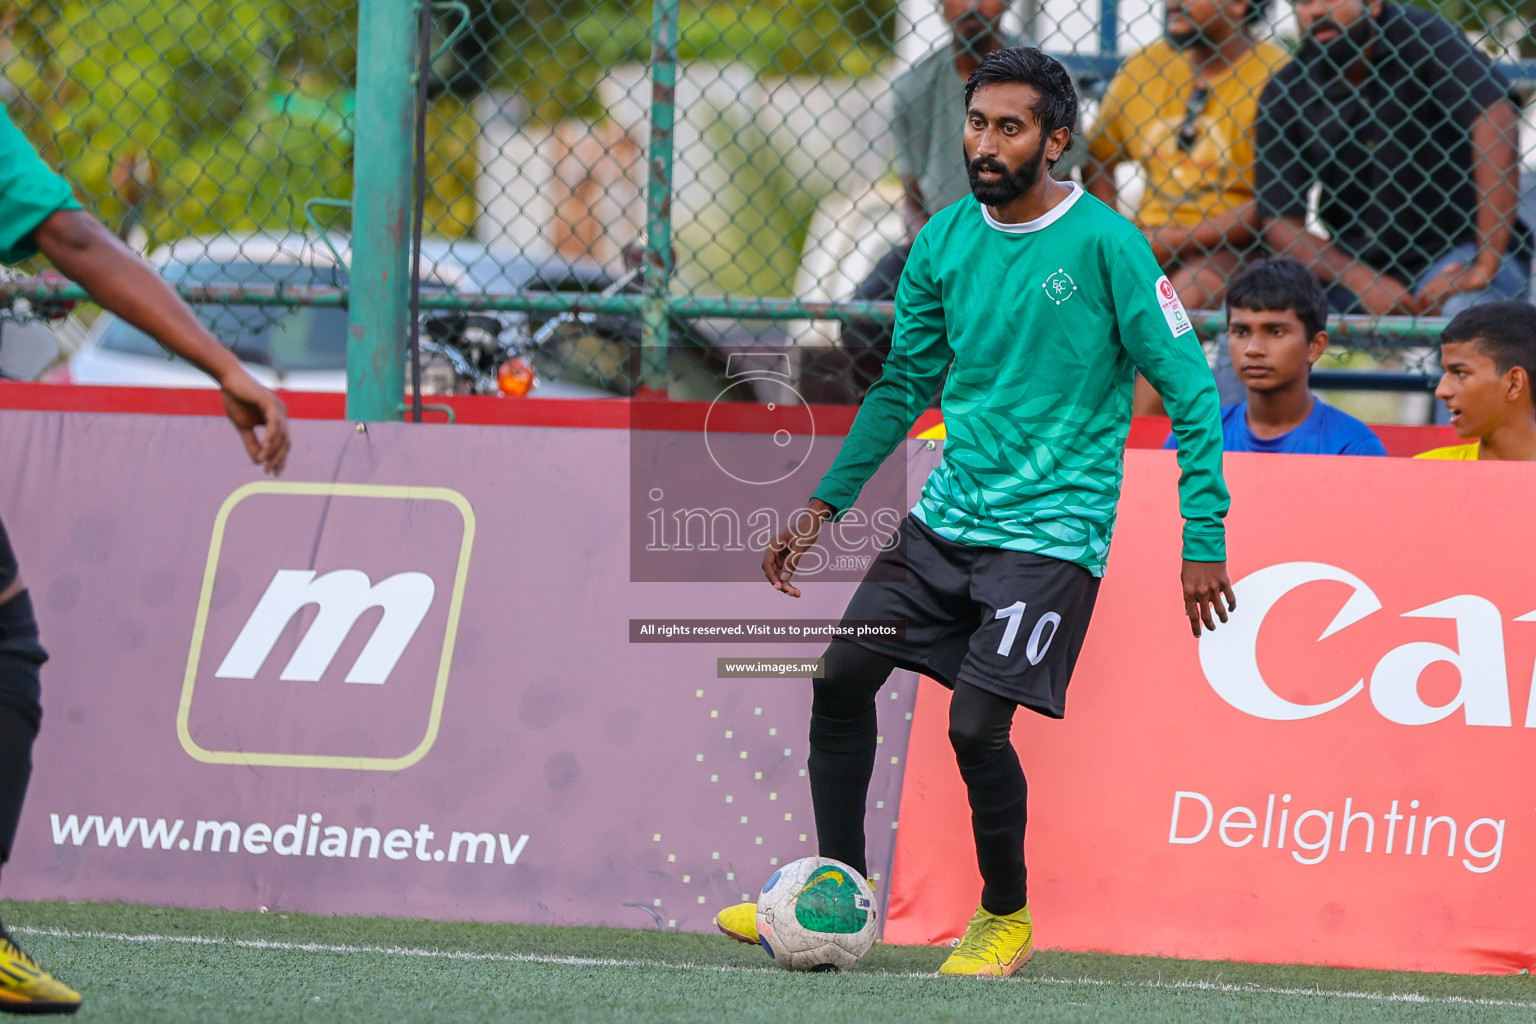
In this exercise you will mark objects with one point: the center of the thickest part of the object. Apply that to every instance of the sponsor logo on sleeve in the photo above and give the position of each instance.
(1173, 309)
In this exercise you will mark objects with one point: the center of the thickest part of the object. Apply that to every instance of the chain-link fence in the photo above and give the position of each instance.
(700, 177)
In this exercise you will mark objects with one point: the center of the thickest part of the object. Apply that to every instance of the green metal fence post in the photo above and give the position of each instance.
(381, 204)
(654, 318)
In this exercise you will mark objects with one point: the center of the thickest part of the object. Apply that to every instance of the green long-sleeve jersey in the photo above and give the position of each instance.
(1044, 322)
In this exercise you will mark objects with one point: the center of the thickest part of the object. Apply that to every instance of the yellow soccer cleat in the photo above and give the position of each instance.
(27, 988)
(993, 946)
(739, 922)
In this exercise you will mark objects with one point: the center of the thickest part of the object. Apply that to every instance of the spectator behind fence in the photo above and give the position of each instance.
(1182, 109)
(1276, 319)
(928, 130)
(1411, 134)
(1488, 354)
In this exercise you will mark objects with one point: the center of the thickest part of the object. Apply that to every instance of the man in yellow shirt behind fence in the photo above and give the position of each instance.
(1183, 109)
(1488, 355)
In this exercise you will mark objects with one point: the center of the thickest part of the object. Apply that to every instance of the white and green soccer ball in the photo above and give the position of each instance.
(816, 914)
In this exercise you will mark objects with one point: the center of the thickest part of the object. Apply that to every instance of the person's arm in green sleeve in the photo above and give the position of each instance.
(30, 192)
(919, 355)
(1160, 340)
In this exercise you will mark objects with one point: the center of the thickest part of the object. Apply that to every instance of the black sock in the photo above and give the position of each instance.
(20, 710)
(843, 738)
(979, 727)
(17, 731)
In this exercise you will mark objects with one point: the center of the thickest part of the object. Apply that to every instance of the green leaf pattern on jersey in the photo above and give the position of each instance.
(1031, 481)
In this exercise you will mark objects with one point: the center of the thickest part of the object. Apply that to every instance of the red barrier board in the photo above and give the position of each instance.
(1340, 775)
(601, 413)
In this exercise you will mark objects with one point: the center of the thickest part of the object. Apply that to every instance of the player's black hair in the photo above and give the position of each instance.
(1279, 284)
(1503, 331)
(1057, 107)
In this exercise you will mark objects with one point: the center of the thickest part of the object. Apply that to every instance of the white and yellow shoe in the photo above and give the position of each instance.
(993, 946)
(27, 988)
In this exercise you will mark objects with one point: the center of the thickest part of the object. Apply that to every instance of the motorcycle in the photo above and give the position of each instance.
(571, 354)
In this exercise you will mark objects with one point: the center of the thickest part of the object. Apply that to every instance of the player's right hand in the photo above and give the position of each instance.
(784, 551)
(248, 406)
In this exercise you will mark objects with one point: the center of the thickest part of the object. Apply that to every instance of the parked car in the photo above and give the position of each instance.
(297, 348)
(304, 348)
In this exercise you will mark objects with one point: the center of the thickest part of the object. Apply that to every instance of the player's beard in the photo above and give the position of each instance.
(1013, 183)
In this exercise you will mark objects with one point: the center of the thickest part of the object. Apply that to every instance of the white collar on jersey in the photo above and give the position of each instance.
(1041, 222)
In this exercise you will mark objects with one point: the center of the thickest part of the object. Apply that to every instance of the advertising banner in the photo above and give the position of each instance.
(423, 674)
(1342, 774)
(400, 680)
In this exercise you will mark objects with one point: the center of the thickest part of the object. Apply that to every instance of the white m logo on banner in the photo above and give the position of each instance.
(342, 596)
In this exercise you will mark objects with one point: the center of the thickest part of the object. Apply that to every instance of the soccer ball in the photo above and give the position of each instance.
(816, 914)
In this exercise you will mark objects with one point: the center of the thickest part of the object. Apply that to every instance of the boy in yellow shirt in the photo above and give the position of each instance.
(1183, 109)
(1488, 355)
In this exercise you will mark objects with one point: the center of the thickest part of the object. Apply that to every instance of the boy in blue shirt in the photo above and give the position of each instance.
(1276, 319)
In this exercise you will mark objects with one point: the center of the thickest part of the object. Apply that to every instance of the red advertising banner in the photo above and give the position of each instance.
(1340, 775)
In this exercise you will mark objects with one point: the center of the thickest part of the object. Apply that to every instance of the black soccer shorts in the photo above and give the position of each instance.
(1008, 622)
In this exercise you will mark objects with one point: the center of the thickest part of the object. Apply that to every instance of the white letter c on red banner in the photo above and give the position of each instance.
(1229, 655)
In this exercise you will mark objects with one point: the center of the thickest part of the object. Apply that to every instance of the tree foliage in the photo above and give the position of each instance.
(193, 117)
(554, 52)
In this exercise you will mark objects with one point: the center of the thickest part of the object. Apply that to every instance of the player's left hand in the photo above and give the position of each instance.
(1206, 587)
(248, 406)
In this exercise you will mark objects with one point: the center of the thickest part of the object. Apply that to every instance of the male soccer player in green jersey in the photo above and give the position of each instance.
(1040, 300)
(38, 214)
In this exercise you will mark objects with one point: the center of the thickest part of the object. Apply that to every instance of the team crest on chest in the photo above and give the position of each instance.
(1060, 286)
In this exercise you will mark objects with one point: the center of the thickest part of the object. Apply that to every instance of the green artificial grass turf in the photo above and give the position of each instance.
(145, 963)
